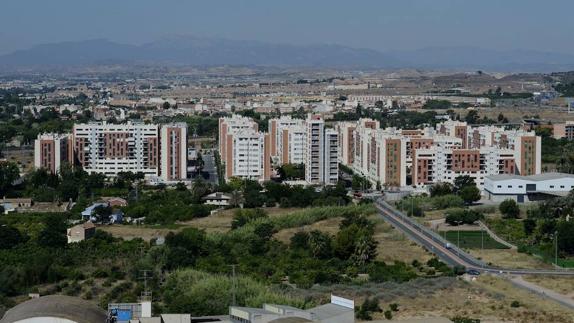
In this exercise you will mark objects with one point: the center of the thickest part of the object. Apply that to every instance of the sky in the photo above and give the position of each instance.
(384, 25)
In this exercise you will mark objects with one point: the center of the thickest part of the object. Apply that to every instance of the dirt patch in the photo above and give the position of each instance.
(330, 226)
(129, 232)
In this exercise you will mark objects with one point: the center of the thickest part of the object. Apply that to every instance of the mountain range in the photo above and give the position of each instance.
(188, 50)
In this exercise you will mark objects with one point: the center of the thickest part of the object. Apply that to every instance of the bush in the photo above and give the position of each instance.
(447, 201)
(394, 307)
(388, 315)
(458, 217)
(509, 209)
(515, 304)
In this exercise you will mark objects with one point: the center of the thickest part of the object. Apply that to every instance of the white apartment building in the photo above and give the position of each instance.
(321, 164)
(248, 155)
(52, 150)
(444, 165)
(291, 144)
(288, 139)
(112, 148)
(231, 124)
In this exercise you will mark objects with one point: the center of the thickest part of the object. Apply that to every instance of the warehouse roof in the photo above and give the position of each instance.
(66, 307)
(539, 177)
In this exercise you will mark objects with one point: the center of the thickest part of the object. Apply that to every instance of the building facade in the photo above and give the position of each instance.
(52, 150)
(173, 152)
(321, 153)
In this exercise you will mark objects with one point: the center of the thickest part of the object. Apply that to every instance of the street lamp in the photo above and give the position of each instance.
(556, 248)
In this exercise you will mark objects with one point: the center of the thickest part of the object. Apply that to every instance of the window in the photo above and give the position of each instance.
(509, 186)
(499, 186)
(551, 186)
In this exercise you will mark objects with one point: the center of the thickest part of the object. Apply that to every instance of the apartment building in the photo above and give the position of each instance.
(564, 130)
(173, 152)
(321, 154)
(440, 154)
(52, 150)
(438, 164)
(380, 155)
(231, 124)
(247, 155)
(288, 139)
(112, 148)
(156, 151)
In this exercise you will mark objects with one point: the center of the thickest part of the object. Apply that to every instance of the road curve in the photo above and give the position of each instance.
(453, 255)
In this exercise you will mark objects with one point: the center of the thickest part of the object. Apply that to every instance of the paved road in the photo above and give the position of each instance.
(452, 255)
(457, 257)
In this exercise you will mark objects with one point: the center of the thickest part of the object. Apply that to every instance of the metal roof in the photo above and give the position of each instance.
(535, 178)
(66, 307)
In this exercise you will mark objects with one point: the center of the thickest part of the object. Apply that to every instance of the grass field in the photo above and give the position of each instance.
(472, 240)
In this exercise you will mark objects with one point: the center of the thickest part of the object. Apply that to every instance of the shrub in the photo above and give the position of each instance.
(447, 201)
(394, 307)
(515, 304)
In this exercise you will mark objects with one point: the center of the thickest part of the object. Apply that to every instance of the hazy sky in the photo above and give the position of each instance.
(546, 25)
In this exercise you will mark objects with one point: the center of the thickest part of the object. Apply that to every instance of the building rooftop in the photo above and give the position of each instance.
(539, 177)
(326, 311)
(65, 307)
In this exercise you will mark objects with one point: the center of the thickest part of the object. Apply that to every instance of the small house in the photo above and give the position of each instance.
(217, 198)
(81, 232)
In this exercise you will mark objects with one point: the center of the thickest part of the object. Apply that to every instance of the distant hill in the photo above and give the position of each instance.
(198, 51)
(186, 50)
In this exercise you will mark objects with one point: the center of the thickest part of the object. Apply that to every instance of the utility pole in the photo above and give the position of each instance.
(482, 239)
(458, 238)
(146, 294)
(233, 283)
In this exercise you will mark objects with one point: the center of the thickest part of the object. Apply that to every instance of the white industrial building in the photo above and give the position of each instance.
(527, 188)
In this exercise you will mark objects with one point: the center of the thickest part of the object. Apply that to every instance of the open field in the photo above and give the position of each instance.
(472, 240)
(509, 258)
(219, 222)
(488, 298)
(562, 285)
(394, 245)
(516, 114)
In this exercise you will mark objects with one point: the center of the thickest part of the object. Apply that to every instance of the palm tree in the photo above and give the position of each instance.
(236, 199)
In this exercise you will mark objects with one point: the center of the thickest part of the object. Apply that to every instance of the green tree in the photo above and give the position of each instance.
(8, 174)
(9, 237)
(54, 233)
(470, 194)
(441, 188)
(509, 209)
(462, 181)
(472, 117)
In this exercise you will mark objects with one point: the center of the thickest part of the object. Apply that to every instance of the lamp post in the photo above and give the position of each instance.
(556, 248)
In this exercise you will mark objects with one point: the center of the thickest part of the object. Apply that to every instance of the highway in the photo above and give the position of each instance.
(453, 255)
